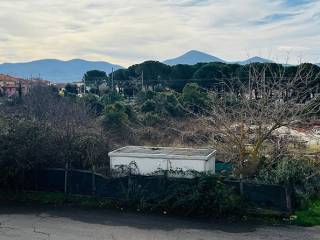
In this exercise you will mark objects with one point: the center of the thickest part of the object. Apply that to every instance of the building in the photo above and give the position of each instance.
(151, 159)
(11, 86)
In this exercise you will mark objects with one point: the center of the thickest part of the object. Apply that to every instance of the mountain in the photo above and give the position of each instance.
(318, 64)
(56, 70)
(192, 57)
(254, 60)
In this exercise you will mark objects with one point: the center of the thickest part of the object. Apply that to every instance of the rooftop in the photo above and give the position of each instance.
(8, 78)
(163, 152)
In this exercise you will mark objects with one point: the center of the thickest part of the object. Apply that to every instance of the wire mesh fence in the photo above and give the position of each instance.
(82, 182)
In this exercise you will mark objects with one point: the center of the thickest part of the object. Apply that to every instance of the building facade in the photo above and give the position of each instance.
(13, 86)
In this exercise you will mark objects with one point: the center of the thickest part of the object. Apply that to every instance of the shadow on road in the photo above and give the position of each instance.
(130, 219)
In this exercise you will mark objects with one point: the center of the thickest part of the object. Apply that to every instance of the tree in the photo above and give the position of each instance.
(194, 98)
(45, 130)
(111, 98)
(259, 108)
(116, 116)
(94, 78)
(71, 89)
(94, 103)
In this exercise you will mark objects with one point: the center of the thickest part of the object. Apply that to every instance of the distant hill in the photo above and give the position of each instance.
(193, 57)
(254, 60)
(56, 70)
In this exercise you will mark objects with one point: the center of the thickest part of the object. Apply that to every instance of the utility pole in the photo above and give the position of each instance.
(112, 86)
(250, 90)
(84, 85)
(142, 87)
(264, 82)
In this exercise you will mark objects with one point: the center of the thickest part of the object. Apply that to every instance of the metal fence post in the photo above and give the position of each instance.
(241, 184)
(66, 169)
(93, 180)
(288, 199)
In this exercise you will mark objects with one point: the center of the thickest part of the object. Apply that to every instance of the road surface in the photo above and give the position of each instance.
(34, 223)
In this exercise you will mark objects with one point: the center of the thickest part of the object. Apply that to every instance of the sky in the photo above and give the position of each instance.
(126, 32)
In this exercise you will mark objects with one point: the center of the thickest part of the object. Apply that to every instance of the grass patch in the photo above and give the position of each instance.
(309, 216)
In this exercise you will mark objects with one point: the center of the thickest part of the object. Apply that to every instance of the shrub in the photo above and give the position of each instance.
(113, 118)
(151, 119)
(147, 95)
(203, 196)
(148, 106)
(93, 102)
(28, 145)
(194, 98)
(111, 98)
(117, 115)
(302, 174)
(164, 104)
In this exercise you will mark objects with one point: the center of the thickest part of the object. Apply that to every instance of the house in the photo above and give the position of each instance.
(11, 86)
(147, 160)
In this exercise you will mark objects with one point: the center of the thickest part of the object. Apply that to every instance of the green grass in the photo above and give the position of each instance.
(309, 216)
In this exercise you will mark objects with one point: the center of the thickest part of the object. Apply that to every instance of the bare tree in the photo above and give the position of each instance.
(70, 119)
(250, 111)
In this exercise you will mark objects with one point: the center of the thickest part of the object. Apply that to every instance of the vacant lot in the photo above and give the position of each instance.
(34, 223)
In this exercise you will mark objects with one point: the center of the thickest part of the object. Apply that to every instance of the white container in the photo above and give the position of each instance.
(151, 159)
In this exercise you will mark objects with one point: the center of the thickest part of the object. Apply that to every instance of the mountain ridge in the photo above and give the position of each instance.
(63, 71)
(255, 59)
(56, 70)
(192, 57)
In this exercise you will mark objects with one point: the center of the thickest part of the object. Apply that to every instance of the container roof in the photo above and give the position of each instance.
(163, 152)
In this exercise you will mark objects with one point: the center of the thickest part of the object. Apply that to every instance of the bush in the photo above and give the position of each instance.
(151, 119)
(111, 98)
(310, 216)
(24, 146)
(164, 104)
(117, 115)
(147, 95)
(207, 197)
(114, 119)
(173, 106)
(301, 174)
(194, 98)
(203, 196)
(28, 145)
(148, 106)
(93, 102)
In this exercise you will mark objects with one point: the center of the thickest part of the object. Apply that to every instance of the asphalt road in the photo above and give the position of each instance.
(34, 223)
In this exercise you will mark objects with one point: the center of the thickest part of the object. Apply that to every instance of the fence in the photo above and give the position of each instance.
(73, 181)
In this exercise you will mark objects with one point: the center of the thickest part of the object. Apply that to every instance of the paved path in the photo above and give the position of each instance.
(35, 223)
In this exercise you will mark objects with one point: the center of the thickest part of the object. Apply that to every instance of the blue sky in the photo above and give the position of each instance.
(127, 32)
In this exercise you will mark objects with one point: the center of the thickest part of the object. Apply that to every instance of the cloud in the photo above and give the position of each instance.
(277, 17)
(126, 32)
(295, 3)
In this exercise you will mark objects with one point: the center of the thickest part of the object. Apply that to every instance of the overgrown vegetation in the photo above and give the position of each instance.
(301, 175)
(310, 215)
(235, 109)
(45, 130)
(207, 196)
